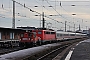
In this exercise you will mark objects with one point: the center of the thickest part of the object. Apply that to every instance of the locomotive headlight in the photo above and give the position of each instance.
(29, 38)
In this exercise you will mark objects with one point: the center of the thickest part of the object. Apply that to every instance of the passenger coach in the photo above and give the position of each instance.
(60, 35)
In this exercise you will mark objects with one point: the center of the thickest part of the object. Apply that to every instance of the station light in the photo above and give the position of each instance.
(50, 6)
(36, 15)
(60, 3)
(32, 10)
(35, 6)
(24, 4)
(2, 5)
(50, 15)
(73, 14)
(72, 5)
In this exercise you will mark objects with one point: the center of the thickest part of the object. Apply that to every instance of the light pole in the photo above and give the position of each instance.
(43, 20)
(69, 27)
(74, 27)
(13, 22)
(65, 25)
(86, 26)
(73, 20)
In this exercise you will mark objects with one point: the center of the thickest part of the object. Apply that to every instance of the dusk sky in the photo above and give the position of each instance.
(61, 13)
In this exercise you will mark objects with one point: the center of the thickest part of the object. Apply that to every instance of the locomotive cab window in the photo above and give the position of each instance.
(34, 34)
(47, 32)
(30, 34)
(22, 35)
(39, 32)
(52, 32)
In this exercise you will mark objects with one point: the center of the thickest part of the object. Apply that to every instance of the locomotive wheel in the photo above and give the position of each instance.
(21, 44)
(39, 42)
(29, 45)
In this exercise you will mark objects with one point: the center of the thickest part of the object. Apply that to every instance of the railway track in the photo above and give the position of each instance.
(44, 52)
(58, 54)
(52, 53)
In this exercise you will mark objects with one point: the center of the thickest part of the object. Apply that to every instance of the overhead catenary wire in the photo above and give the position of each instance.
(54, 8)
(7, 11)
(34, 11)
(39, 4)
(57, 11)
(71, 1)
(37, 12)
(28, 8)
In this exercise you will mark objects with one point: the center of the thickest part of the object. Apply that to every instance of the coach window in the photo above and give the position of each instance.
(66, 34)
(72, 35)
(57, 35)
(60, 34)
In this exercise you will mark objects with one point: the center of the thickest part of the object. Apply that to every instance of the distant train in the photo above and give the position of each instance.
(60, 35)
(41, 36)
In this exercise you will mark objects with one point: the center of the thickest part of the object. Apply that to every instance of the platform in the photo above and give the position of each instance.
(80, 52)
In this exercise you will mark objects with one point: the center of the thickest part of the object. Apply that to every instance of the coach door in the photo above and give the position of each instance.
(0, 35)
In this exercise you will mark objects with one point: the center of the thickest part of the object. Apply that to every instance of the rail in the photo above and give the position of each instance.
(52, 52)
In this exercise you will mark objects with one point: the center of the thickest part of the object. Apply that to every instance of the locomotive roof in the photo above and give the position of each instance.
(33, 28)
(47, 30)
(44, 29)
